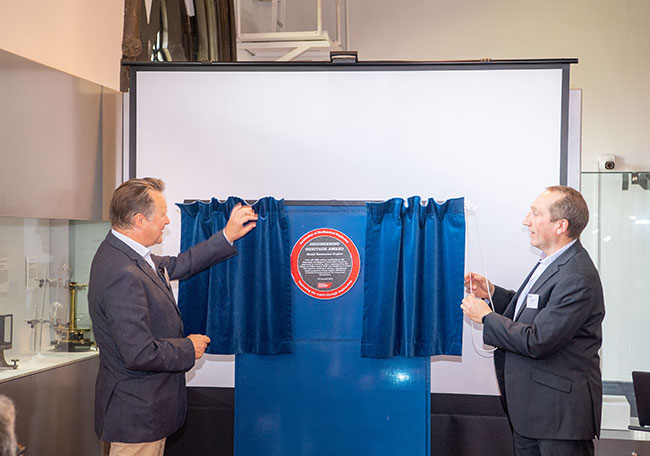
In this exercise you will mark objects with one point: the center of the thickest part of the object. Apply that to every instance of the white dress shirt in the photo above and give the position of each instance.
(144, 252)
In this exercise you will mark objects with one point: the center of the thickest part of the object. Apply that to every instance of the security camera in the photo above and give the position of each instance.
(607, 162)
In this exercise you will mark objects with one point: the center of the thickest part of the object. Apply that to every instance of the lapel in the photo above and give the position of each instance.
(549, 272)
(510, 310)
(555, 266)
(144, 267)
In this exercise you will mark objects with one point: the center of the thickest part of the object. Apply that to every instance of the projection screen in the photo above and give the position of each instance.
(495, 133)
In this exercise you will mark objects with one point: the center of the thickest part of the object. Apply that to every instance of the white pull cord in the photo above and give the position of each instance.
(470, 209)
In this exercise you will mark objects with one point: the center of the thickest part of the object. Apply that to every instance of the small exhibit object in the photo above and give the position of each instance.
(6, 340)
(70, 337)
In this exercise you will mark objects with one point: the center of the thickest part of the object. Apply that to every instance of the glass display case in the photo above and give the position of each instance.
(44, 271)
(618, 240)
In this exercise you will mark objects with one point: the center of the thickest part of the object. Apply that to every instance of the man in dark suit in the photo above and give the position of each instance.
(548, 333)
(140, 395)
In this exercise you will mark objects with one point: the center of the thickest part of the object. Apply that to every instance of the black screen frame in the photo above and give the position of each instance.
(496, 65)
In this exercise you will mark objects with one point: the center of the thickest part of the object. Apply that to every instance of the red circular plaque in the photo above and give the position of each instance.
(325, 263)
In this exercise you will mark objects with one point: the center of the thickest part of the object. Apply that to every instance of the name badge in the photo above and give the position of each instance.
(532, 301)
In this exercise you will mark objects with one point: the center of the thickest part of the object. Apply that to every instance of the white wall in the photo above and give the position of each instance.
(611, 38)
(79, 37)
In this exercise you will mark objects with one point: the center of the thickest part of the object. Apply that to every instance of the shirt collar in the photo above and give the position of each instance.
(546, 260)
(144, 252)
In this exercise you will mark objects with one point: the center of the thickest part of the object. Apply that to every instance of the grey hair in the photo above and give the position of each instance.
(7, 427)
(131, 198)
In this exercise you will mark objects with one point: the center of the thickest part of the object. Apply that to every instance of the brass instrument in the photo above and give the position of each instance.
(69, 336)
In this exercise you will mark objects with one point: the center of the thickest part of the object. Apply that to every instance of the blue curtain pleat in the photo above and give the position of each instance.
(243, 304)
(196, 226)
(413, 286)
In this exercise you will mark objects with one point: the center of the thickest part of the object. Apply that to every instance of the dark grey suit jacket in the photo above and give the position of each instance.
(140, 391)
(547, 361)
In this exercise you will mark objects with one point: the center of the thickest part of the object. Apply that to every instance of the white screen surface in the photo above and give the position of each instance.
(492, 136)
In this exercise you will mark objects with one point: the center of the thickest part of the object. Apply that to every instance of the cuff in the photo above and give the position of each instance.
(226, 237)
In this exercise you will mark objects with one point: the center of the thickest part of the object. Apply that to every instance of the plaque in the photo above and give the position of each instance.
(325, 263)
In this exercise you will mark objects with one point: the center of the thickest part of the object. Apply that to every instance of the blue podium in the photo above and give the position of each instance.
(325, 399)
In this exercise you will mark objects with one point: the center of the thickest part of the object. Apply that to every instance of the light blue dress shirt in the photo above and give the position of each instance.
(544, 262)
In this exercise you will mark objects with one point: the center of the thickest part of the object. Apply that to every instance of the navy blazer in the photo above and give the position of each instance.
(547, 361)
(143, 356)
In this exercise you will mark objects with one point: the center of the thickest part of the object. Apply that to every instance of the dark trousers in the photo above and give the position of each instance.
(540, 447)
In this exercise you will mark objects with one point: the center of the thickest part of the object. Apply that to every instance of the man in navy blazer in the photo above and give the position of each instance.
(140, 395)
(548, 333)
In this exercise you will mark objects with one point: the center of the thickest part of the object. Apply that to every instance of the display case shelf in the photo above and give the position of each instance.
(33, 364)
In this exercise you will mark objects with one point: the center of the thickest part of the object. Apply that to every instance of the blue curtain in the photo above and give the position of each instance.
(244, 303)
(413, 278)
